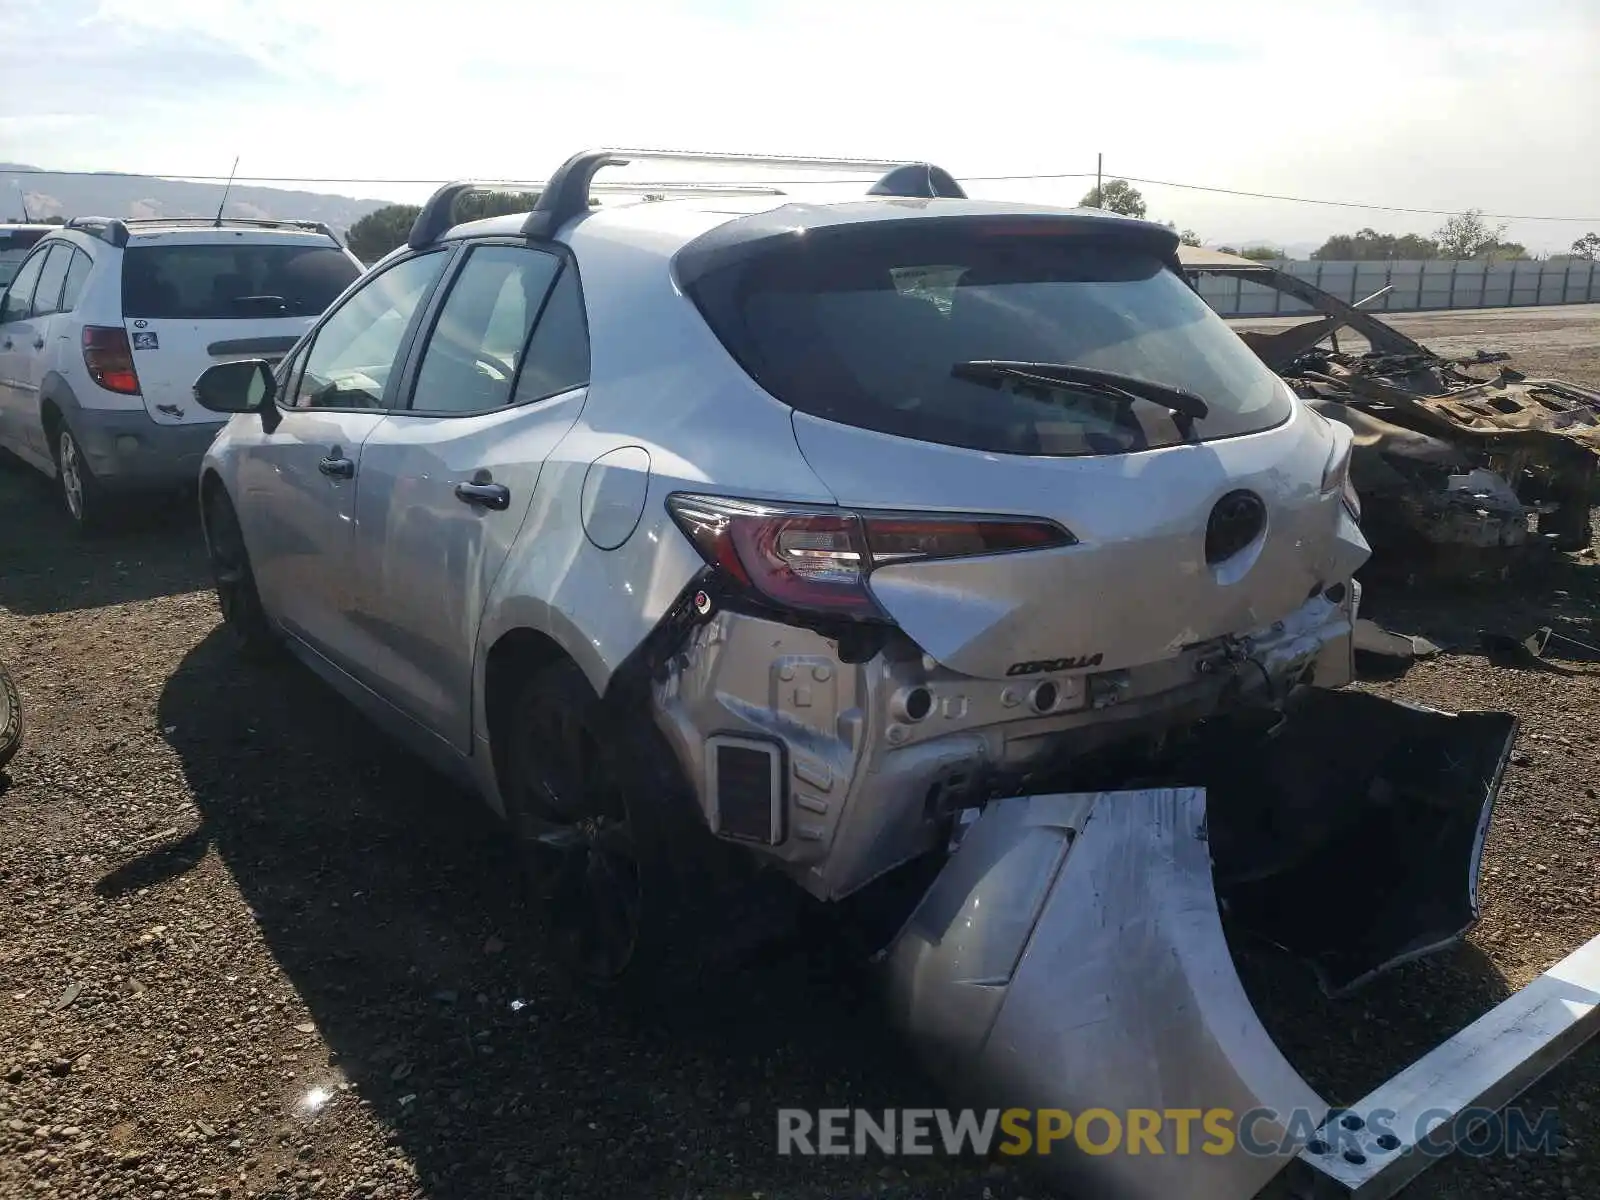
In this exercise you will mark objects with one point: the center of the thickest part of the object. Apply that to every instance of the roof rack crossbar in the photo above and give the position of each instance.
(569, 192)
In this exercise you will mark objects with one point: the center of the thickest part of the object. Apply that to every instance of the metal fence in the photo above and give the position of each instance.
(1415, 285)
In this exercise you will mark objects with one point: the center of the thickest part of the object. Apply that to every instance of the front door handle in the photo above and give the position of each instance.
(485, 495)
(7, 345)
(38, 343)
(338, 468)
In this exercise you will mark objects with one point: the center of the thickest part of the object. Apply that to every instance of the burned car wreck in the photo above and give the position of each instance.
(1457, 472)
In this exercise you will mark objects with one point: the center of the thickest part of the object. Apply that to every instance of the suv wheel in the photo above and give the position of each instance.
(80, 490)
(237, 597)
(583, 815)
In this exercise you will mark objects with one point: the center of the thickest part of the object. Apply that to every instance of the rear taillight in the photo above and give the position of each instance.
(1336, 475)
(818, 559)
(109, 359)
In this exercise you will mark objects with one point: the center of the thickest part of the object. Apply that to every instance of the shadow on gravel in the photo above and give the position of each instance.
(388, 898)
(1563, 595)
(48, 567)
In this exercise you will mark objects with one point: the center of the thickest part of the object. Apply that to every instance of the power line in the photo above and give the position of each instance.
(1022, 178)
(1430, 212)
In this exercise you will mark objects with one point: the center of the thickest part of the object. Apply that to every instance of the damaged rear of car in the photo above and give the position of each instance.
(1072, 511)
(1463, 473)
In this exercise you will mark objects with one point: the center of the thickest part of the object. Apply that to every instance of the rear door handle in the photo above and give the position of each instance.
(38, 343)
(485, 495)
(338, 468)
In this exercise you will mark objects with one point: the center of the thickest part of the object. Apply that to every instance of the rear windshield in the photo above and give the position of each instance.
(226, 279)
(864, 326)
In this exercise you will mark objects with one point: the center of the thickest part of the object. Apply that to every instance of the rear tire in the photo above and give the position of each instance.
(589, 828)
(242, 612)
(10, 717)
(81, 493)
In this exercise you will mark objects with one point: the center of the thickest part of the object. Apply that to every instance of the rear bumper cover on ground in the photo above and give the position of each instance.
(1071, 957)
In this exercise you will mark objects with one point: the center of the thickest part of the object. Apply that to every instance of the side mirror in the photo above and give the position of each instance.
(236, 387)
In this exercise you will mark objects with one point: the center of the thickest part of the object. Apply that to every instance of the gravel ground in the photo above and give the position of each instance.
(249, 948)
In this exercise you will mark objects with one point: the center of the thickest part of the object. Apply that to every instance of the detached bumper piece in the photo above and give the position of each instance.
(1070, 956)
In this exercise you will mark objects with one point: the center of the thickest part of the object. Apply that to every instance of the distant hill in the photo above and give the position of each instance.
(114, 195)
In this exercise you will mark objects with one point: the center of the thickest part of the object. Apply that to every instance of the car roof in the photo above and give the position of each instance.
(665, 226)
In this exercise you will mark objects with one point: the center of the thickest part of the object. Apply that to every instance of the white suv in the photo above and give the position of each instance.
(107, 322)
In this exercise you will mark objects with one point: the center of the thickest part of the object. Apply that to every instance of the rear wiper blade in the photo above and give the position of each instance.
(990, 370)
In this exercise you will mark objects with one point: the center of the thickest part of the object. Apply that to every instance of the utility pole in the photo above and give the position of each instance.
(1099, 196)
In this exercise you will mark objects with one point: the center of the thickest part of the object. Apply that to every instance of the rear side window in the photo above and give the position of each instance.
(865, 324)
(47, 295)
(476, 347)
(77, 276)
(219, 280)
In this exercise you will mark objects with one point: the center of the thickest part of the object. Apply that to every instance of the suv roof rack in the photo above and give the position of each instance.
(568, 193)
(117, 230)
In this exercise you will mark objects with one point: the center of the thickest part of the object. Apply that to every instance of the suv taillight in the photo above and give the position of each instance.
(109, 359)
(818, 560)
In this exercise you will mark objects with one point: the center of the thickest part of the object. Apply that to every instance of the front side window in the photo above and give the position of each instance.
(47, 295)
(354, 352)
(217, 280)
(19, 297)
(877, 325)
(476, 348)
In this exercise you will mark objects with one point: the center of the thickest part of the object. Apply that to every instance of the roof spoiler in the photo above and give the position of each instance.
(568, 193)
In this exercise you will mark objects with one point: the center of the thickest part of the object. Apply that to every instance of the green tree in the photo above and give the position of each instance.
(474, 206)
(1468, 235)
(1118, 196)
(1263, 254)
(381, 230)
(1588, 246)
(1368, 245)
(1189, 238)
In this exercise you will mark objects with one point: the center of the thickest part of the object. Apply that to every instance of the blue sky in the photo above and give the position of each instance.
(1422, 103)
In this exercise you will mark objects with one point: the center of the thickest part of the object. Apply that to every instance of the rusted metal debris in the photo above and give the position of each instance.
(1467, 472)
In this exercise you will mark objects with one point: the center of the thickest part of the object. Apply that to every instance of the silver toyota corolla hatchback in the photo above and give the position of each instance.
(796, 528)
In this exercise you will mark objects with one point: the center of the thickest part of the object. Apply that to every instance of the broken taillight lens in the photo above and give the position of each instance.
(109, 359)
(817, 559)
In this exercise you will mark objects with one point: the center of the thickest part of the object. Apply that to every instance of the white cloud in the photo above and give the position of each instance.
(1428, 104)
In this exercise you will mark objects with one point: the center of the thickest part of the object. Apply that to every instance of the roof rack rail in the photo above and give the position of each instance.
(224, 222)
(111, 230)
(116, 230)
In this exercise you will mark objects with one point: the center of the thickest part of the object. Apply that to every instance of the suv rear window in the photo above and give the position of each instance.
(228, 279)
(864, 323)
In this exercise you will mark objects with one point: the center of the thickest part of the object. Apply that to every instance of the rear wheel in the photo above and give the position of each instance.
(80, 490)
(242, 613)
(587, 828)
(10, 717)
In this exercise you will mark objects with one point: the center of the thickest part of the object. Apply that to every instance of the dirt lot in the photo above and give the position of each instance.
(248, 948)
